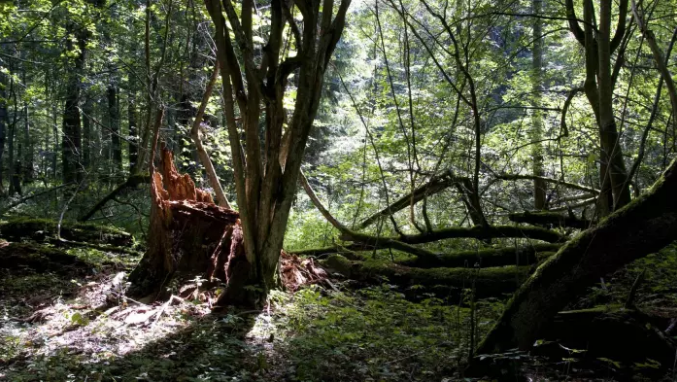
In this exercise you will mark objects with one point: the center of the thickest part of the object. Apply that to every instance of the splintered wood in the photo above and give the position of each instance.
(191, 236)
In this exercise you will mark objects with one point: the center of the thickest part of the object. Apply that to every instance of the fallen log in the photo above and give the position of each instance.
(485, 257)
(550, 219)
(525, 255)
(17, 256)
(22, 228)
(476, 232)
(644, 226)
(489, 282)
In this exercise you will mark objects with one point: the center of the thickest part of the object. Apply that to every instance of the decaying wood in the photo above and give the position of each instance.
(23, 228)
(186, 234)
(17, 256)
(489, 282)
(190, 236)
(406, 243)
(526, 255)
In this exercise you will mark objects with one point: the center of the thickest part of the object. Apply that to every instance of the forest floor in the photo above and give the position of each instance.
(73, 325)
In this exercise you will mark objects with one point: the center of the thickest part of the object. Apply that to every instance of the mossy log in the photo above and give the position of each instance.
(27, 228)
(646, 225)
(18, 256)
(489, 282)
(485, 257)
(476, 232)
(189, 235)
(550, 219)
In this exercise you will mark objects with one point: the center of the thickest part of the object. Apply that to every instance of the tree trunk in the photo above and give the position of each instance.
(71, 139)
(267, 167)
(87, 110)
(644, 226)
(537, 116)
(3, 128)
(114, 126)
(133, 131)
(612, 152)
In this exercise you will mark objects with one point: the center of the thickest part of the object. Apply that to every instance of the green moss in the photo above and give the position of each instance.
(18, 228)
(338, 264)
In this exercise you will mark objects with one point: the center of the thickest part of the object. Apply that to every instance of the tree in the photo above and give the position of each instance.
(599, 85)
(537, 116)
(267, 167)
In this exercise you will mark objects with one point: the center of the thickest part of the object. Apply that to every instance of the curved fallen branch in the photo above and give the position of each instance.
(405, 242)
(549, 180)
(486, 257)
(489, 282)
(131, 182)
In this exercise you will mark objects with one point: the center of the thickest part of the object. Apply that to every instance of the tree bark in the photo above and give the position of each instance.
(133, 130)
(3, 128)
(526, 255)
(71, 139)
(536, 118)
(87, 110)
(644, 226)
(114, 127)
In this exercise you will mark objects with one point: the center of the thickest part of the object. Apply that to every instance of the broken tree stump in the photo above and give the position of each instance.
(189, 235)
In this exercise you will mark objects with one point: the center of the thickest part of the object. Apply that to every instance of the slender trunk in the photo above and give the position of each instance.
(3, 128)
(612, 153)
(87, 110)
(71, 140)
(114, 126)
(537, 116)
(10, 141)
(133, 130)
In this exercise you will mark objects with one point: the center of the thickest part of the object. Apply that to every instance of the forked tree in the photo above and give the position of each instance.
(268, 159)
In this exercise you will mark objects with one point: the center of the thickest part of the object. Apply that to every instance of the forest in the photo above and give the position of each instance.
(338, 190)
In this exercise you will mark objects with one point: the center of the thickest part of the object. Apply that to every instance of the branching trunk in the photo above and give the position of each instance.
(265, 179)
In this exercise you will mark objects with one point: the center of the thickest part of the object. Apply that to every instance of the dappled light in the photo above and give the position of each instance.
(337, 190)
